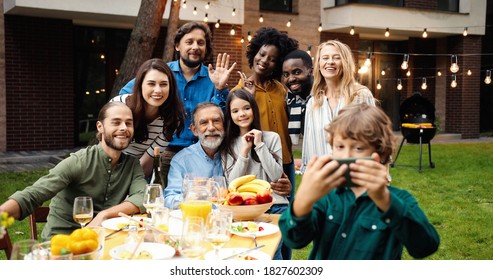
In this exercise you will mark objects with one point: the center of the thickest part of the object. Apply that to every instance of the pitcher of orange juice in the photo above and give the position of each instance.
(197, 200)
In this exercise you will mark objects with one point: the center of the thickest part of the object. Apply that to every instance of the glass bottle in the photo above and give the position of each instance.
(157, 167)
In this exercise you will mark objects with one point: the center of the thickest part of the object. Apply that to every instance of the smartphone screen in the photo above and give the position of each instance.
(348, 182)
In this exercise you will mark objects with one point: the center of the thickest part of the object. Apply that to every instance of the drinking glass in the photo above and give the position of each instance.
(83, 210)
(219, 190)
(192, 244)
(153, 198)
(217, 229)
(21, 249)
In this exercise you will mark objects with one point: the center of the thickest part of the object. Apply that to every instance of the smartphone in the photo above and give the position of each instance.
(348, 182)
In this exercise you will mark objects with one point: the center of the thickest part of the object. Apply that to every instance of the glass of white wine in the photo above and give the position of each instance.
(153, 199)
(217, 228)
(192, 244)
(83, 210)
(220, 189)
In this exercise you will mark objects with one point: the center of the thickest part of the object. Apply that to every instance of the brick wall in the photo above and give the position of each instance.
(421, 4)
(39, 83)
(224, 42)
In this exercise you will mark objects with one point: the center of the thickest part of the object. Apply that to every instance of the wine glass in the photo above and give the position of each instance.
(153, 198)
(191, 244)
(219, 194)
(22, 248)
(217, 229)
(83, 210)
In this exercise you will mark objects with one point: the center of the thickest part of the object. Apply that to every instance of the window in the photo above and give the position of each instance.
(449, 5)
(395, 3)
(277, 5)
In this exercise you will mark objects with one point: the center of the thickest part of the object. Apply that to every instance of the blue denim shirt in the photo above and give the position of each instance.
(198, 89)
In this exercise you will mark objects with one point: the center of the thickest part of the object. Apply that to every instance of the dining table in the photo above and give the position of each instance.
(270, 242)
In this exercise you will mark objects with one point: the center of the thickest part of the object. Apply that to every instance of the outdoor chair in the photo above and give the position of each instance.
(38, 216)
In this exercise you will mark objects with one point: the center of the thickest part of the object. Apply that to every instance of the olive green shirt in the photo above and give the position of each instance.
(342, 226)
(87, 172)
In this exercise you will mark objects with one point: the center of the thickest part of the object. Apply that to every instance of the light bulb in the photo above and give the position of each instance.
(423, 85)
(487, 79)
(217, 23)
(288, 24)
(454, 81)
(368, 60)
(399, 84)
(405, 62)
(207, 5)
(439, 73)
(232, 31)
(363, 69)
(379, 86)
(465, 32)
(261, 18)
(194, 11)
(383, 72)
(454, 68)
(234, 12)
(249, 37)
(425, 34)
(309, 51)
(352, 30)
(469, 73)
(387, 32)
(206, 18)
(320, 27)
(408, 73)
(242, 39)
(184, 5)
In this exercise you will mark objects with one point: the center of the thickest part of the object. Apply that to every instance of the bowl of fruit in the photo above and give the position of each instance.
(248, 198)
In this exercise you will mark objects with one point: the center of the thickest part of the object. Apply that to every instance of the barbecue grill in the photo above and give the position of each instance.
(417, 116)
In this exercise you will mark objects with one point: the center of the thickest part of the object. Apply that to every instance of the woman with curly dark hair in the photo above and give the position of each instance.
(157, 110)
(265, 54)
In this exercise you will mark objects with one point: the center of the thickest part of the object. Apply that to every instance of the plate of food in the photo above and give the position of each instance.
(122, 222)
(226, 252)
(249, 229)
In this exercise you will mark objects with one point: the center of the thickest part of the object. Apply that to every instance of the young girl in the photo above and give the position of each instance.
(246, 149)
(368, 220)
(157, 109)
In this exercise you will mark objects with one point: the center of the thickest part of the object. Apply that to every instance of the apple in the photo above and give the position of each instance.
(264, 197)
(250, 201)
(234, 198)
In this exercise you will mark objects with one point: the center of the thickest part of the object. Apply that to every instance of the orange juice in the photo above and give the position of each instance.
(200, 208)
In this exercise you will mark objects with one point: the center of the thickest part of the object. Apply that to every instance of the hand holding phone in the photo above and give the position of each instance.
(349, 182)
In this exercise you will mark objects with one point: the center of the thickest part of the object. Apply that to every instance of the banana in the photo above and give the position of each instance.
(234, 184)
(251, 187)
(246, 195)
(261, 182)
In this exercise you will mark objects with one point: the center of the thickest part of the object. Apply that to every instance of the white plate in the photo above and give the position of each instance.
(158, 251)
(176, 214)
(226, 252)
(114, 223)
(268, 229)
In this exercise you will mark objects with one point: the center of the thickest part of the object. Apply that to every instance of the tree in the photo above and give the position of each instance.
(142, 41)
(173, 21)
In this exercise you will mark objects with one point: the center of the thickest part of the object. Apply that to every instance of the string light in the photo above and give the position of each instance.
(454, 67)
(399, 84)
(234, 12)
(184, 5)
(439, 73)
(352, 30)
(425, 34)
(309, 51)
(408, 73)
(379, 86)
(465, 32)
(207, 5)
(194, 11)
(383, 72)
(261, 18)
(232, 31)
(218, 22)
(242, 39)
(320, 27)
(423, 84)
(453, 84)
(487, 79)
(206, 18)
(405, 62)
(469, 72)
(368, 60)
(387, 32)
(249, 37)
(288, 24)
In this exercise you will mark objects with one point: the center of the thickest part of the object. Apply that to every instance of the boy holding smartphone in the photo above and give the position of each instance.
(368, 220)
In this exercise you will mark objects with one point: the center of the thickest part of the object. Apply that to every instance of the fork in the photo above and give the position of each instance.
(254, 236)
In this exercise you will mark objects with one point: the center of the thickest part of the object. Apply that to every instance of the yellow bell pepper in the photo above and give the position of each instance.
(82, 241)
(59, 244)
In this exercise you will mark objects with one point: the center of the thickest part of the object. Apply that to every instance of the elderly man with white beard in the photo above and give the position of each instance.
(200, 159)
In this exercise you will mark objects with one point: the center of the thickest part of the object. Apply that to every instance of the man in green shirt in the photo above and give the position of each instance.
(115, 181)
(364, 218)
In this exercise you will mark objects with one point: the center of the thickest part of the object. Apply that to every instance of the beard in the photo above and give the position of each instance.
(211, 144)
(191, 63)
(304, 90)
(117, 145)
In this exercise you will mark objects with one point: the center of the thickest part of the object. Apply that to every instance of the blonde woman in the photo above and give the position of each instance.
(334, 87)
